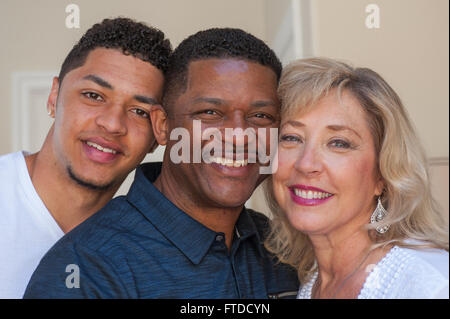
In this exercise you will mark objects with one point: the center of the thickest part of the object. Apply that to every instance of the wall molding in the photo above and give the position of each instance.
(438, 161)
(24, 86)
(293, 39)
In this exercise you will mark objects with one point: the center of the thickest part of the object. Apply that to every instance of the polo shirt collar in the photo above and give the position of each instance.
(246, 229)
(191, 237)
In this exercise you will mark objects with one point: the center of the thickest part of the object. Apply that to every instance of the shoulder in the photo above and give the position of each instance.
(13, 176)
(7, 161)
(261, 222)
(409, 273)
(426, 272)
(92, 250)
(116, 218)
(436, 260)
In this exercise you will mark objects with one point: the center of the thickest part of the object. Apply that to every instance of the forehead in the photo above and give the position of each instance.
(115, 66)
(332, 109)
(215, 71)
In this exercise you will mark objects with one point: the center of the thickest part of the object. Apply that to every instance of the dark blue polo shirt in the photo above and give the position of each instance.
(142, 246)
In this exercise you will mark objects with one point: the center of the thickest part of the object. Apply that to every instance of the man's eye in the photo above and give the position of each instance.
(141, 113)
(93, 96)
(262, 119)
(262, 116)
(209, 112)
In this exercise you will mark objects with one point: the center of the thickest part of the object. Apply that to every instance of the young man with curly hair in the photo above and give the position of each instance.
(183, 231)
(101, 103)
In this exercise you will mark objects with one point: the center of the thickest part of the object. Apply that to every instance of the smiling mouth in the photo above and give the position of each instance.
(101, 148)
(308, 195)
(229, 162)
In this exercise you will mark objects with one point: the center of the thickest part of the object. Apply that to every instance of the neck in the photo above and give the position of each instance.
(56, 189)
(337, 257)
(218, 219)
(342, 257)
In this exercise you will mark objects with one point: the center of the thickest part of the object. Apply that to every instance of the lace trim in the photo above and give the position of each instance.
(305, 291)
(399, 274)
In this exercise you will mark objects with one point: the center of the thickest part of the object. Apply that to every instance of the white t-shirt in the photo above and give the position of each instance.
(404, 273)
(27, 229)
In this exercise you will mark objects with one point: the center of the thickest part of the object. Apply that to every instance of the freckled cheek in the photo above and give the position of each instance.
(355, 175)
(286, 161)
(282, 178)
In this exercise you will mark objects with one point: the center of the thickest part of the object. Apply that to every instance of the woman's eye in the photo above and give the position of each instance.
(93, 96)
(141, 113)
(340, 144)
(289, 138)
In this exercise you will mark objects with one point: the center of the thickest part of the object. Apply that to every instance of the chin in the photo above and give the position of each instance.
(227, 200)
(305, 223)
(89, 183)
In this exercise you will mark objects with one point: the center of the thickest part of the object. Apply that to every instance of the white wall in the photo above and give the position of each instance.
(410, 49)
(35, 38)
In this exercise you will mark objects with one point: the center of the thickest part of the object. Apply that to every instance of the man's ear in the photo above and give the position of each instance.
(53, 97)
(158, 117)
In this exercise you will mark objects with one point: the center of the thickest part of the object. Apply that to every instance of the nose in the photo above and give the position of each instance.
(237, 133)
(309, 161)
(112, 119)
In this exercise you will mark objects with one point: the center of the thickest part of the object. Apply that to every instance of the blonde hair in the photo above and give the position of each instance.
(413, 213)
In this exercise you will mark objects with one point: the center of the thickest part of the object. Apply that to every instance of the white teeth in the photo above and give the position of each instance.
(100, 148)
(310, 194)
(229, 162)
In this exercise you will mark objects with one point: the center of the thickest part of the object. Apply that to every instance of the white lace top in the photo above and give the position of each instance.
(403, 273)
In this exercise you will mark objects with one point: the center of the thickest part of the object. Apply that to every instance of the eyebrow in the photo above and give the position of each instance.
(342, 128)
(217, 101)
(330, 127)
(146, 100)
(106, 84)
(293, 123)
(99, 81)
(210, 100)
(263, 103)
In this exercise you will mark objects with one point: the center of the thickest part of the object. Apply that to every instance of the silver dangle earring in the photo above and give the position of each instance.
(378, 214)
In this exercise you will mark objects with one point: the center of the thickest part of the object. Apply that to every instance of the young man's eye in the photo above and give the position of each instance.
(93, 96)
(141, 113)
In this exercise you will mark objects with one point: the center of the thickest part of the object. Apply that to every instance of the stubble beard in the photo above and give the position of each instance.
(87, 184)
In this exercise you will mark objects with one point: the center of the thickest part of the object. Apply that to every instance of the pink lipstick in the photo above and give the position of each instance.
(309, 195)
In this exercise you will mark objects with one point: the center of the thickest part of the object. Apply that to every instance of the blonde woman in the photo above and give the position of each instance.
(351, 199)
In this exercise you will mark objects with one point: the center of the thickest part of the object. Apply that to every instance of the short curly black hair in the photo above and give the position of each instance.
(131, 37)
(214, 43)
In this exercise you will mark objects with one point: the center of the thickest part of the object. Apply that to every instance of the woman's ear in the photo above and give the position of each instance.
(158, 117)
(53, 98)
(379, 187)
